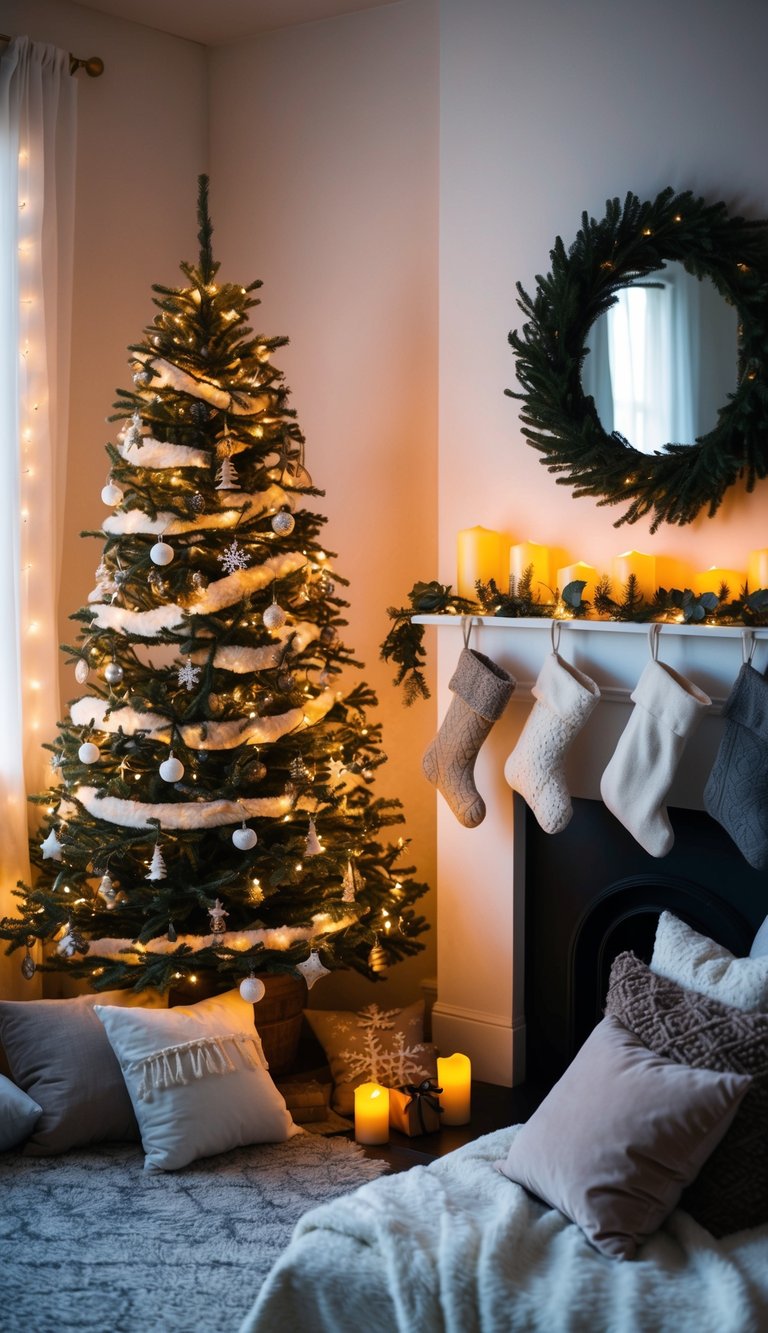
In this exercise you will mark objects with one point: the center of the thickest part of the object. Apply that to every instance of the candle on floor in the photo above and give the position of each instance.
(642, 566)
(757, 570)
(481, 555)
(371, 1113)
(711, 580)
(454, 1076)
(533, 555)
(569, 573)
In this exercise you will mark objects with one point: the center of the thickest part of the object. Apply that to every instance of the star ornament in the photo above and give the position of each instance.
(51, 847)
(312, 969)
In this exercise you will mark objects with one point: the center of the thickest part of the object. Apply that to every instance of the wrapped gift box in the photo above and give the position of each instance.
(415, 1109)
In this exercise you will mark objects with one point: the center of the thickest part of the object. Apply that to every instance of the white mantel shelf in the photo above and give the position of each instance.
(481, 871)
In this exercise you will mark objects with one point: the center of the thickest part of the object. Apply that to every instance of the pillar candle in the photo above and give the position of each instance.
(710, 580)
(757, 570)
(579, 571)
(642, 566)
(371, 1113)
(454, 1076)
(526, 554)
(481, 555)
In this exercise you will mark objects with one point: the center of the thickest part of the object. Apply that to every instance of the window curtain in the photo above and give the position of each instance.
(37, 168)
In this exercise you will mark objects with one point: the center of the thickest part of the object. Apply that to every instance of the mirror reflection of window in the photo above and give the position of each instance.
(663, 360)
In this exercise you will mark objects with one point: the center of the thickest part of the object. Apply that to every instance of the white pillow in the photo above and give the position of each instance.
(681, 954)
(760, 942)
(197, 1079)
(18, 1114)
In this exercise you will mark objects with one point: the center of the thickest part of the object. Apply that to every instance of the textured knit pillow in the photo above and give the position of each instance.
(18, 1114)
(197, 1079)
(375, 1045)
(732, 1190)
(681, 954)
(59, 1055)
(619, 1137)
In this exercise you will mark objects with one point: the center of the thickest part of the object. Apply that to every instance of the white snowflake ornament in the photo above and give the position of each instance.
(51, 847)
(312, 969)
(188, 674)
(234, 558)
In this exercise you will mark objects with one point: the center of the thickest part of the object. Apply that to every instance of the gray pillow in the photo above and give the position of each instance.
(619, 1137)
(760, 942)
(18, 1114)
(60, 1056)
(732, 1191)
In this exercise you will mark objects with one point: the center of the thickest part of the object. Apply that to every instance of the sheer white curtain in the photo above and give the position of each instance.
(37, 181)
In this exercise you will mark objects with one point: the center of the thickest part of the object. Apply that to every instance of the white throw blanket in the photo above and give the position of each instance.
(457, 1248)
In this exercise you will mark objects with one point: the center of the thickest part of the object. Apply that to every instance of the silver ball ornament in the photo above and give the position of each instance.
(244, 838)
(171, 769)
(113, 673)
(283, 523)
(89, 753)
(252, 989)
(161, 553)
(274, 617)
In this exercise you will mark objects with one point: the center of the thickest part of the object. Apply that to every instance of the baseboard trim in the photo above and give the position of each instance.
(495, 1046)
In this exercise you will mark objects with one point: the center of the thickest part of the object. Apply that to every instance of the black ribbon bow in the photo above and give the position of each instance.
(423, 1094)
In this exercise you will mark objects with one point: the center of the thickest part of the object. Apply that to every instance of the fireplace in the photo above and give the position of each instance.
(592, 892)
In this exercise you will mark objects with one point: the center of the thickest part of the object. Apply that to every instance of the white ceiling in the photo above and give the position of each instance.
(223, 21)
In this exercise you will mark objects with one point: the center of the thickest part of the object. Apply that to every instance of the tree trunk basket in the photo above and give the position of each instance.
(277, 1016)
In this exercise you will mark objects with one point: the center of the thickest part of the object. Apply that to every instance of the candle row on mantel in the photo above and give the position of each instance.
(483, 555)
(454, 1078)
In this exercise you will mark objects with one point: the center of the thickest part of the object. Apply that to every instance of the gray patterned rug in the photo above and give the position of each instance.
(91, 1242)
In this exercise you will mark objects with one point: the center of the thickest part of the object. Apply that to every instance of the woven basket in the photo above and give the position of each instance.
(278, 1015)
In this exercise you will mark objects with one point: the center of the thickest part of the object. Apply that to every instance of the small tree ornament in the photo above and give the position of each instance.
(82, 670)
(252, 989)
(107, 891)
(218, 915)
(28, 964)
(283, 523)
(157, 867)
(312, 969)
(51, 848)
(134, 435)
(274, 617)
(171, 769)
(313, 846)
(226, 476)
(350, 883)
(244, 838)
(89, 753)
(161, 553)
(113, 673)
(111, 493)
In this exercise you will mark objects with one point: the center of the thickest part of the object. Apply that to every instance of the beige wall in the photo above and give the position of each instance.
(323, 163)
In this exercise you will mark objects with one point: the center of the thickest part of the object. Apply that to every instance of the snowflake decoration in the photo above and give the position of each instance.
(383, 1056)
(235, 557)
(188, 674)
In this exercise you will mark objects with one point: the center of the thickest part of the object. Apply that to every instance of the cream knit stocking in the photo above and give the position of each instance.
(564, 699)
(668, 709)
(481, 691)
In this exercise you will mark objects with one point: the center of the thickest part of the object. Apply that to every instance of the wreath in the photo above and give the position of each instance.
(561, 421)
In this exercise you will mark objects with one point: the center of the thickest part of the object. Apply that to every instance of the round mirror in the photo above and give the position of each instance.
(676, 451)
(663, 360)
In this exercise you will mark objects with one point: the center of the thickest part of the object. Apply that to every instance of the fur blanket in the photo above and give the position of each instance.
(457, 1248)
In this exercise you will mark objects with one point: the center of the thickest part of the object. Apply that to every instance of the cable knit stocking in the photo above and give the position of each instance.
(481, 691)
(564, 698)
(668, 709)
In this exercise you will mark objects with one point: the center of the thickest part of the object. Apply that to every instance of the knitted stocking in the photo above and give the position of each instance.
(668, 709)
(481, 691)
(564, 698)
(736, 793)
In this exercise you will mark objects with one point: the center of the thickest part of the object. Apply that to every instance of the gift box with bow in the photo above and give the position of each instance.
(415, 1109)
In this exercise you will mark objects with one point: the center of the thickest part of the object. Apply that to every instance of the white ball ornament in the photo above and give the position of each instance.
(244, 838)
(161, 553)
(89, 753)
(252, 989)
(111, 494)
(171, 769)
(274, 617)
(283, 523)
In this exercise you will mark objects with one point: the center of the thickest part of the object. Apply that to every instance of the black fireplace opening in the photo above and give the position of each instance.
(591, 893)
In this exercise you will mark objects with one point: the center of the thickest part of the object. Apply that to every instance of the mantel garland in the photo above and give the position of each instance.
(404, 644)
(674, 484)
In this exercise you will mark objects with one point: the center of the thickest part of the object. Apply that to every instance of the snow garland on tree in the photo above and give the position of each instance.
(158, 454)
(278, 938)
(144, 624)
(96, 712)
(241, 660)
(131, 521)
(184, 815)
(222, 593)
(165, 375)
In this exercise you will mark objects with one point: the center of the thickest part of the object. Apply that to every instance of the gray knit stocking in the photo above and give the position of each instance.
(481, 691)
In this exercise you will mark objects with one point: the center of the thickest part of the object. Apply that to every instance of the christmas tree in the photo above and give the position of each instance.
(211, 807)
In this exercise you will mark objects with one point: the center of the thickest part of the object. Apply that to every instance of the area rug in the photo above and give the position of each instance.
(91, 1242)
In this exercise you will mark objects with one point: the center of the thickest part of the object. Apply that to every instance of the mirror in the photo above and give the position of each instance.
(663, 359)
(686, 463)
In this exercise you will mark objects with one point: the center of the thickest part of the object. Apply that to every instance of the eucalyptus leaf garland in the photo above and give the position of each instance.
(632, 241)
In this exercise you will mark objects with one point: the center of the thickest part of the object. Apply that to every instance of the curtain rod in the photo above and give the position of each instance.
(93, 66)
